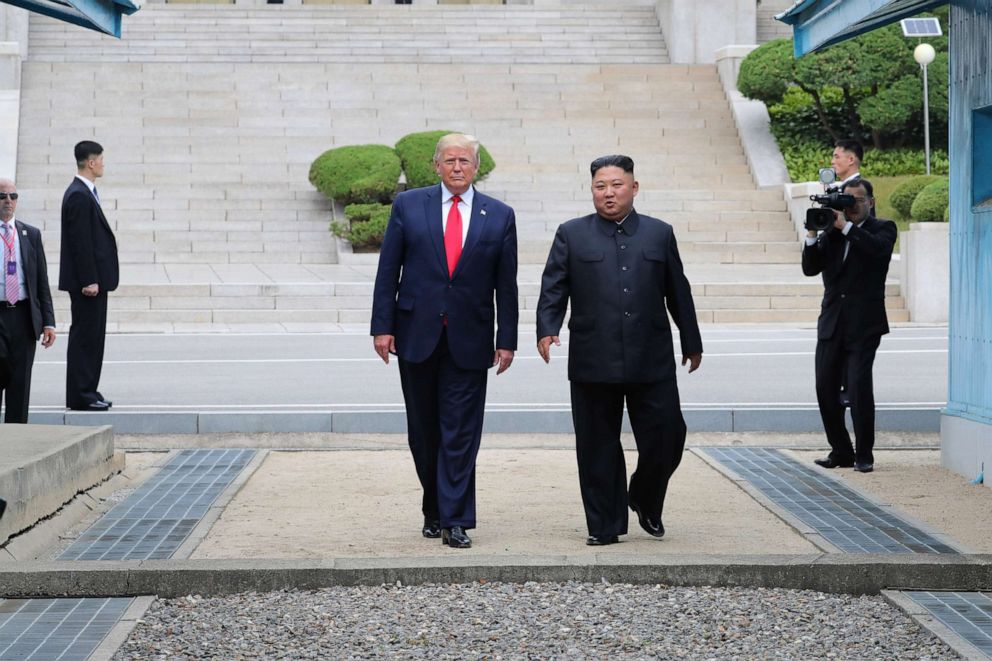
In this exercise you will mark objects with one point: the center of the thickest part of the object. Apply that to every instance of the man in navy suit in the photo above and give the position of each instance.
(88, 271)
(26, 311)
(449, 253)
(853, 257)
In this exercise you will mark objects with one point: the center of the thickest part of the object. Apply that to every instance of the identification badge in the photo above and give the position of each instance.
(11, 268)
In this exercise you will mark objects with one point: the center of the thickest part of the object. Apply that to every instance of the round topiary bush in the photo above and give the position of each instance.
(357, 174)
(366, 225)
(930, 203)
(416, 152)
(905, 193)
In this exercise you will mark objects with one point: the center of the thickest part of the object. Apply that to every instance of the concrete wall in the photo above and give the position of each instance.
(966, 442)
(695, 29)
(768, 28)
(925, 266)
(13, 50)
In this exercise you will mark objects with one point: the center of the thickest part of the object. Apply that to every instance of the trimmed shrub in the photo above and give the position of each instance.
(947, 213)
(930, 203)
(416, 153)
(796, 118)
(804, 158)
(905, 193)
(366, 225)
(358, 173)
(766, 72)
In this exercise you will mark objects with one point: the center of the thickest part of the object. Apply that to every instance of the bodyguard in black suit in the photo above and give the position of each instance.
(620, 270)
(853, 257)
(89, 270)
(26, 311)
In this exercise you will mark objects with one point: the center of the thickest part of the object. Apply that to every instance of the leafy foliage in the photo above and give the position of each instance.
(930, 204)
(416, 152)
(868, 88)
(359, 173)
(905, 193)
(804, 158)
(366, 225)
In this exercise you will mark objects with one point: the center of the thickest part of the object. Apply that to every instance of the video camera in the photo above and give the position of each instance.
(822, 218)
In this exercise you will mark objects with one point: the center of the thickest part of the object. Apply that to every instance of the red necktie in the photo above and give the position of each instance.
(453, 235)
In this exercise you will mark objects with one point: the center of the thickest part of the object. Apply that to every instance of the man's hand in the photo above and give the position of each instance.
(840, 220)
(384, 345)
(544, 346)
(503, 358)
(48, 337)
(693, 359)
(91, 290)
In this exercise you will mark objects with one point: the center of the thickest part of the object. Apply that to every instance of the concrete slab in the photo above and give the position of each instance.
(42, 467)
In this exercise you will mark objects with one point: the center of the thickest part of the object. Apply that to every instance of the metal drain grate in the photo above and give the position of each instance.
(840, 514)
(65, 629)
(968, 614)
(155, 520)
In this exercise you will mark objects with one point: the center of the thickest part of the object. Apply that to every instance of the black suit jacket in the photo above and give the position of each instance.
(619, 283)
(89, 249)
(35, 268)
(854, 288)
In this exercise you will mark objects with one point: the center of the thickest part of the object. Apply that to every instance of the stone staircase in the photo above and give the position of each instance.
(211, 116)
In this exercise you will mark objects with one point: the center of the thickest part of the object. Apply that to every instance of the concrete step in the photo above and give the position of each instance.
(217, 306)
(515, 33)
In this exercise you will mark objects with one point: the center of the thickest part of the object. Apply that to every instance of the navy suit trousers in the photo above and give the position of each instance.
(444, 411)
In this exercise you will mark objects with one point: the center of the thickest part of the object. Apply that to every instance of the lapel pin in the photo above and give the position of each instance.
(24, 232)
(482, 213)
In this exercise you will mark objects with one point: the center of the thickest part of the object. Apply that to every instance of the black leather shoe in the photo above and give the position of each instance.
(651, 526)
(601, 540)
(864, 467)
(107, 402)
(455, 537)
(829, 462)
(94, 406)
(432, 528)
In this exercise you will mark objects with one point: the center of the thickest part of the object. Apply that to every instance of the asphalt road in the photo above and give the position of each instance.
(753, 366)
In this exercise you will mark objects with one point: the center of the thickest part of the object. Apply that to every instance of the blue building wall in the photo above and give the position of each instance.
(966, 428)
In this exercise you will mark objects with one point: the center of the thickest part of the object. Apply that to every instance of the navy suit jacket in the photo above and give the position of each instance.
(413, 292)
(854, 286)
(89, 249)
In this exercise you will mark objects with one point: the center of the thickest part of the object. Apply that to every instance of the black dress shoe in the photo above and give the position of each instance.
(830, 462)
(107, 402)
(93, 406)
(601, 540)
(432, 528)
(651, 526)
(455, 537)
(864, 467)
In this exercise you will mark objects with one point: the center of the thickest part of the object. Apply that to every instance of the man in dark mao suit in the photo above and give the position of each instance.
(449, 253)
(620, 270)
(26, 311)
(88, 271)
(853, 257)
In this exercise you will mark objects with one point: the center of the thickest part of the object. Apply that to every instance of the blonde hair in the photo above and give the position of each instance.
(456, 140)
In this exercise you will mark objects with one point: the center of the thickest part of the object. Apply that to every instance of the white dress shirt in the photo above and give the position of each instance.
(464, 207)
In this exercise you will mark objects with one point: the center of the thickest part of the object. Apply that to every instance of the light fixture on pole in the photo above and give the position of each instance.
(924, 55)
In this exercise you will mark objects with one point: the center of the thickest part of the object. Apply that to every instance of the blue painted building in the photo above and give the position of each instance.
(966, 423)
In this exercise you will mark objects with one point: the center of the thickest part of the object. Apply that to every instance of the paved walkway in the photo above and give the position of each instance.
(303, 505)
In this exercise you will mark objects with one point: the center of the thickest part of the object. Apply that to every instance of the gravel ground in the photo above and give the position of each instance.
(530, 621)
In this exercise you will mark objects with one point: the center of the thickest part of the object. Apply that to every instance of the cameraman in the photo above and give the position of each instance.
(853, 255)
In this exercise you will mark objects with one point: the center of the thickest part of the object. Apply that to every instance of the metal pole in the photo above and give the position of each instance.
(926, 118)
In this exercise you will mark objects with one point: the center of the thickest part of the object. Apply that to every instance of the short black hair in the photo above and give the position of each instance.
(861, 183)
(625, 163)
(852, 146)
(86, 150)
